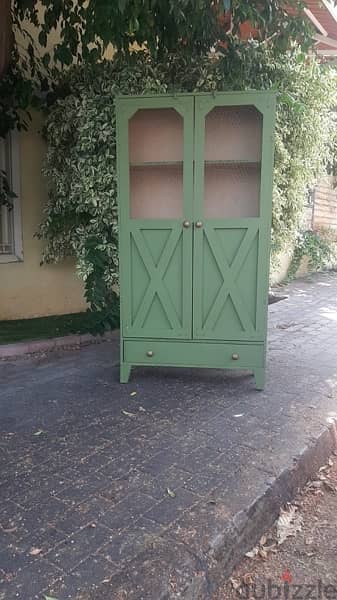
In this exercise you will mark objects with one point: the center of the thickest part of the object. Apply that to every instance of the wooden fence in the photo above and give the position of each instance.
(324, 206)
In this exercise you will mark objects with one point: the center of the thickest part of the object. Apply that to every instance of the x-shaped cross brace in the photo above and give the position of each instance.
(229, 275)
(156, 274)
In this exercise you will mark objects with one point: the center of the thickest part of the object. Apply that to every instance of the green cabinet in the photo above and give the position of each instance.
(195, 198)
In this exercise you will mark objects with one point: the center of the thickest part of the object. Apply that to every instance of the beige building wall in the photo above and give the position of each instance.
(26, 288)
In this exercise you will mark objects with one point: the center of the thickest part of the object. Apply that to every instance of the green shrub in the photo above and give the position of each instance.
(320, 247)
(81, 214)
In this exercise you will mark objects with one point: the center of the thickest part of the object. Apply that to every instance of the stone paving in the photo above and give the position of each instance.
(117, 492)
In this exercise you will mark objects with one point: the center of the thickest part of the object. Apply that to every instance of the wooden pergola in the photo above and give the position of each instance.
(323, 15)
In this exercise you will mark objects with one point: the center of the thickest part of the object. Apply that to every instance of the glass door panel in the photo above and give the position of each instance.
(233, 134)
(156, 150)
(156, 192)
(232, 162)
(156, 135)
(231, 191)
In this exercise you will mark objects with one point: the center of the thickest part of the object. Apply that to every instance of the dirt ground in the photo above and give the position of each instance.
(305, 564)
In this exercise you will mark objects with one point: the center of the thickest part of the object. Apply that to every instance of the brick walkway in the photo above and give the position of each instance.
(113, 491)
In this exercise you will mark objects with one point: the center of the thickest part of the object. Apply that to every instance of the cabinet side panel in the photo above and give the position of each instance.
(266, 201)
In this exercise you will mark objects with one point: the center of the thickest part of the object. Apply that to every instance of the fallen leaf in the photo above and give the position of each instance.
(49, 598)
(248, 578)
(263, 553)
(239, 415)
(141, 409)
(35, 551)
(236, 583)
(329, 486)
(330, 462)
(288, 523)
(39, 432)
(263, 540)
(252, 553)
(308, 541)
(9, 530)
(133, 394)
(128, 414)
(171, 493)
(315, 484)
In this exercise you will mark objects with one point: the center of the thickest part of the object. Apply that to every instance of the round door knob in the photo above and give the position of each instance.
(186, 224)
(198, 224)
(235, 356)
(149, 353)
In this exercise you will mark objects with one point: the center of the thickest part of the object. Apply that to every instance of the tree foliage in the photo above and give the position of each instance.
(31, 62)
(88, 28)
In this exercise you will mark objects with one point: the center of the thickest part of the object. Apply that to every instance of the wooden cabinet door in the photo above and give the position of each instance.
(155, 174)
(233, 199)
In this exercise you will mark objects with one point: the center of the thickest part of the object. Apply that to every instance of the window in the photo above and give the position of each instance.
(10, 217)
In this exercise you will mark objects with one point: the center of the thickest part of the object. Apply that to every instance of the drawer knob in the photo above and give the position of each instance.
(149, 353)
(186, 224)
(198, 224)
(235, 357)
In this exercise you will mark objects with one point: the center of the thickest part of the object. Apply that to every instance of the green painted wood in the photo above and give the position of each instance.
(160, 280)
(260, 377)
(266, 196)
(125, 371)
(195, 296)
(186, 353)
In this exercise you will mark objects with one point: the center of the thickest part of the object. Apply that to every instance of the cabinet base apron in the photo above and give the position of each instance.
(218, 355)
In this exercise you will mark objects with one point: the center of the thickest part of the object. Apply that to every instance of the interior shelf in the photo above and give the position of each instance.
(170, 163)
(232, 163)
(211, 163)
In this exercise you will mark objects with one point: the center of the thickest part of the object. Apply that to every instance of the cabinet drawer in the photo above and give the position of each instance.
(193, 354)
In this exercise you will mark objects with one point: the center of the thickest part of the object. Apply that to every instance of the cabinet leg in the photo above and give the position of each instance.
(259, 375)
(125, 370)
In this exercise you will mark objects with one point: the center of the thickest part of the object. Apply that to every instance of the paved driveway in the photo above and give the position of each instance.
(119, 491)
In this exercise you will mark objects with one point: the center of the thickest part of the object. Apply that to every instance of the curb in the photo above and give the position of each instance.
(196, 574)
(244, 531)
(58, 343)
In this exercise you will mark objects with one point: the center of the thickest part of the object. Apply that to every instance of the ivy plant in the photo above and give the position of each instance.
(81, 214)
